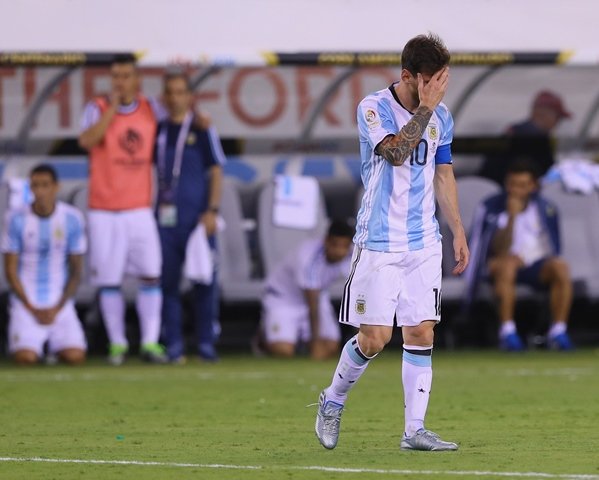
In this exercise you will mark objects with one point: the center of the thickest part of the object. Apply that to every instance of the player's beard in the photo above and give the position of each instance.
(414, 94)
(416, 98)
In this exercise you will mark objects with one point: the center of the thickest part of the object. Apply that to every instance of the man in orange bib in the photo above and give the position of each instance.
(119, 132)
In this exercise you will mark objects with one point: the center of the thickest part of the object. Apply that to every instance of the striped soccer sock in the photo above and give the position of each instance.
(351, 366)
(417, 377)
(112, 307)
(149, 306)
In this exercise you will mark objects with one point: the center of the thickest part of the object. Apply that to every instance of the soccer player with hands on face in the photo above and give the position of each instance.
(395, 279)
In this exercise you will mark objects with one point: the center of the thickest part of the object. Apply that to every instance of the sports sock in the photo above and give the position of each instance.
(557, 329)
(149, 305)
(352, 364)
(417, 377)
(507, 328)
(112, 307)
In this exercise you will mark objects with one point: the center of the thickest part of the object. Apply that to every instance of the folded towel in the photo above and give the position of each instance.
(296, 202)
(19, 193)
(199, 264)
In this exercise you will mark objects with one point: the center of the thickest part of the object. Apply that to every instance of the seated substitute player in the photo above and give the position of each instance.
(518, 241)
(43, 246)
(405, 142)
(297, 306)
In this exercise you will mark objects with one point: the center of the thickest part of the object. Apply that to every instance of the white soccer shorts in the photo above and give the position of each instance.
(125, 242)
(387, 288)
(289, 323)
(25, 333)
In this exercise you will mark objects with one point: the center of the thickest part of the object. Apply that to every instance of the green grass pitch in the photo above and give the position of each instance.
(516, 414)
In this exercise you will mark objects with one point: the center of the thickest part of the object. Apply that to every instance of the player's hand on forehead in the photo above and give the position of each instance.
(442, 73)
(440, 76)
(431, 93)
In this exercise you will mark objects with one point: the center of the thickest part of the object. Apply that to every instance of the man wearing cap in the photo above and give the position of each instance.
(530, 138)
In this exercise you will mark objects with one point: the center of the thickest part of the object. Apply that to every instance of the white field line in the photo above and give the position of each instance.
(457, 473)
(49, 376)
(549, 372)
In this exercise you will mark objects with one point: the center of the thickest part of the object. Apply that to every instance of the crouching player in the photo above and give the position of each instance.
(296, 306)
(43, 246)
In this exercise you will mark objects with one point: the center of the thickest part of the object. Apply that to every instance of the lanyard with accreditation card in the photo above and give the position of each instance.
(167, 208)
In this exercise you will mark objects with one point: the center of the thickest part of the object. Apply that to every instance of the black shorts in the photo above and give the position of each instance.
(531, 275)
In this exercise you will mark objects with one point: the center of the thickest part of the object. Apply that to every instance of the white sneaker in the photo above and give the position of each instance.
(426, 440)
(328, 421)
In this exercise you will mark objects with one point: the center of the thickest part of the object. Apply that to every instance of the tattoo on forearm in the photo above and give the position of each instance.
(397, 149)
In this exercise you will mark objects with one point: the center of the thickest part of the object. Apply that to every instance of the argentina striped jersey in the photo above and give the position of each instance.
(43, 245)
(397, 213)
(305, 268)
